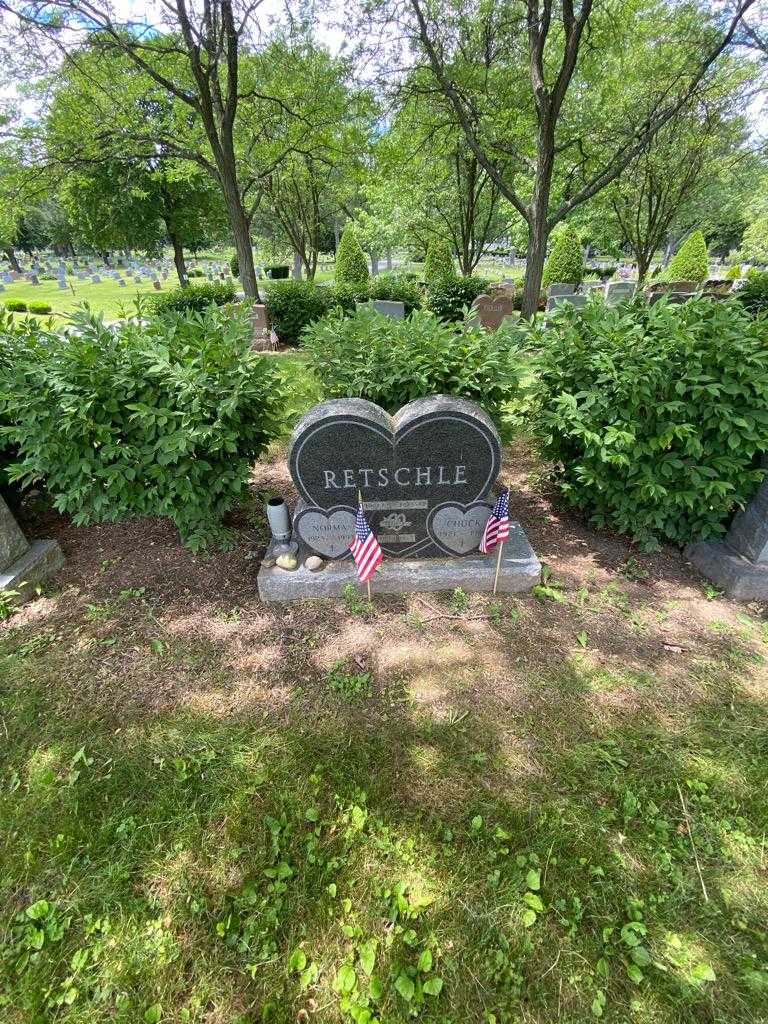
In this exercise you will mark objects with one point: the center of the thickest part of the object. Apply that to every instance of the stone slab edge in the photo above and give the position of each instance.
(739, 578)
(520, 571)
(42, 560)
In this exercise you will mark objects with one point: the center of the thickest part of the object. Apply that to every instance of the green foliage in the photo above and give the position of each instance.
(351, 264)
(396, 288)
(194, 298)
(391, 362)
(438, 263)
(754, 295)
(733, 273)
(292, 305)
(565, 263)
(195, 272)
(234, 265)
(450, 298)
(39, 307)
(690, 262)
(754, 241)
(16, 306)
(160, 419)
(655, 415)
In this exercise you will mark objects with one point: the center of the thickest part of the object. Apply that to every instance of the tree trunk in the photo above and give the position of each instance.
(297, 266)
(178, 259)
(534, 267)
(538, 226)
(374, 263)
(238, 222)
(10, 252)
(643, 265)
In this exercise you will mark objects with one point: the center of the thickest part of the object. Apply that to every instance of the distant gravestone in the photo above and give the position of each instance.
(560, 289)
(491, 310)
(33, 279)
(121, 282)
(619, 291)
(157, 286)
(396, 310)
(62, 284)
(95, 279)
(24, 565)
(566, 300)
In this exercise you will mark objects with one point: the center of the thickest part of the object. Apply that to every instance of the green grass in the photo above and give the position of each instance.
(107, 297)
(344, 855)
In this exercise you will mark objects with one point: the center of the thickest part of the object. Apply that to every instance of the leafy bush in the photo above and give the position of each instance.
(234, 266)
(351, 264)
(565, 263)
(391, 362)
(196, 297)
(277, 273)
(16, 306)
(196, 272)
(733, 273)
(438, 263)
(160, 419)
(39, 307)
(291, 305)
(690, 262)
(754, 295)
(396, 288)
(654, 415)
(449, 298)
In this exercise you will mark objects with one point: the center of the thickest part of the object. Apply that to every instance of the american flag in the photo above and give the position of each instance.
(365, 548)
(497, 527)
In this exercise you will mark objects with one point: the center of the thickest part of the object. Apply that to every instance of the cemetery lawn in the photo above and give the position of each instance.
(107, 297)
(450, 808)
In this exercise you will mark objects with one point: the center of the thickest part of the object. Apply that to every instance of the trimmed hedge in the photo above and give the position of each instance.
(438, 263)
(655, 415)
(396, 288)
(449, 298)
(196, 297)
(16, 306)
(351, 264)
(690, 262)
(565, 263)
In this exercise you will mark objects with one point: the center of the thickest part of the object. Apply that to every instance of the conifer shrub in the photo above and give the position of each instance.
(690, 262)
(565, 263)
(351, 264)
(654, 415)
(438, 263)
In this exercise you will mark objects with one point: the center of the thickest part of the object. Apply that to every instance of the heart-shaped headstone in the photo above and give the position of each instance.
(458, 529)
(327, 533)
(435, 451)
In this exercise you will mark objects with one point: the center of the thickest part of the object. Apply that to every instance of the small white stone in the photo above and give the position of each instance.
(313, 563)
(287, 561)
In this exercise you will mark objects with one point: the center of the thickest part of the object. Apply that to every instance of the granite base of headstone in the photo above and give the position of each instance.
(738, 564)
(426, 477)
(23, 565)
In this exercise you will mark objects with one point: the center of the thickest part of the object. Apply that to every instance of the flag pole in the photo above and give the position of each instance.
(367, 582)
(498, 566)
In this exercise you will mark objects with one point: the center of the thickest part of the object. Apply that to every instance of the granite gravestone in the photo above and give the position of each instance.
(739, 563)
(425, 475)
(24, 565)
(491, 310)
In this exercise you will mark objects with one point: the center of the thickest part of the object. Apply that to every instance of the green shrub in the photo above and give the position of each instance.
(654, 414)
(391, 362)
(234, 266)
(396, 288)
(690, 262)
(438, 263)
(291, 305)
(754, 295)
(351, 264)
(277, 273)
(450, 298)
(16, 306)
(733, 273)
(195, 272)
(159, 419)
(196, 297)
(565, 263)
(39, 307)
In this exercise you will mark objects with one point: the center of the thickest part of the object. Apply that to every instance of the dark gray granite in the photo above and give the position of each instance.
(41, 560)
(425, 474)
(735, 575)
(520, 570)
(748, 534)
(13, 543)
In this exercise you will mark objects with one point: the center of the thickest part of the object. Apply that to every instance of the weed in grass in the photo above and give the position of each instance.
(633, 570)
(8, 599)
(356, 604)
(459, 601)
(348, 685)
(549, 589)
